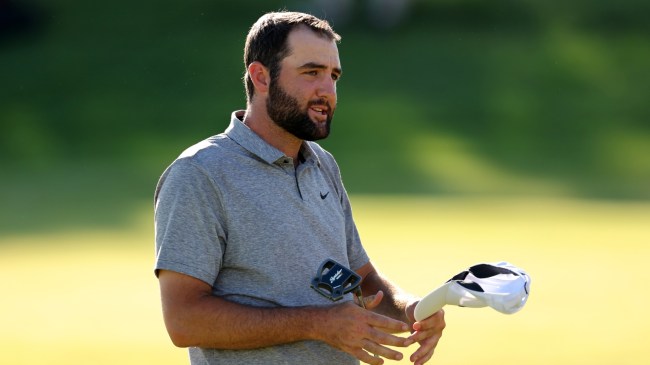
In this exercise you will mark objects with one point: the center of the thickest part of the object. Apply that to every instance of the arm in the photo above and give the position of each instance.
(395, 303)
(195, 317)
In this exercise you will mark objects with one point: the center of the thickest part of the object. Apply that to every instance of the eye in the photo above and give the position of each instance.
(336, 77)
(311, 73)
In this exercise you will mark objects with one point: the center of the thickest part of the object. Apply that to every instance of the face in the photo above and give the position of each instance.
(286, 111)
(302, 98)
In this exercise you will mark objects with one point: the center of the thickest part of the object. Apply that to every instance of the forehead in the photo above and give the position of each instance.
(307, 46)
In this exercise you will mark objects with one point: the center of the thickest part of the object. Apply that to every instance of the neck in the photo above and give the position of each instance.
(260, 123)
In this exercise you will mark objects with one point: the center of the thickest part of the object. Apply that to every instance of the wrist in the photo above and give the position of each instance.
(409, 311)
(312, 320)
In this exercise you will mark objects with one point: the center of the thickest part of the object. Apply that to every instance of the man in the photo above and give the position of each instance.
(245, 218)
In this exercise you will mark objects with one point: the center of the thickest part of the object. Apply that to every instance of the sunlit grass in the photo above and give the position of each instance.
(82, 297)
(90, 296)
(586, 259)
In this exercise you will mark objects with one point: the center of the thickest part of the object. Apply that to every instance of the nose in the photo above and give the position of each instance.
(327, 89)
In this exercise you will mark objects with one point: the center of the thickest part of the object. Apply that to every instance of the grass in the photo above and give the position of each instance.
(519, 90)
(89, 295)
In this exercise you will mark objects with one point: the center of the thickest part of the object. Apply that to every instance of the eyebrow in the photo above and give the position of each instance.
(312, 65)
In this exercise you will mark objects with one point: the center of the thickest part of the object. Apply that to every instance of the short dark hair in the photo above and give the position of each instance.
(267, 41)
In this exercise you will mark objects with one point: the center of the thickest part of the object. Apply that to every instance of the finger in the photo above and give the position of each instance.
(382, 351)
(422, 360)
(420, 336)
(372, 301)
(390, 340)
(387, 324)
(422, 355)
(435, 322)
(426, 350)
(428, 334)
(362, 355)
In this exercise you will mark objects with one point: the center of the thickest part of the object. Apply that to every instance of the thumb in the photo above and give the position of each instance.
(372, 301)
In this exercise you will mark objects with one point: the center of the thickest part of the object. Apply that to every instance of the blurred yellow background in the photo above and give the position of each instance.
(68, 302)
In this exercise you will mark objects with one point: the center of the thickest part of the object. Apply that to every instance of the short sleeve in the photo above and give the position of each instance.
(189, 230)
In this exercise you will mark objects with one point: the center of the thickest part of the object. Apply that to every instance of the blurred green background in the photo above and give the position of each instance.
(460, 97)
(452, 101)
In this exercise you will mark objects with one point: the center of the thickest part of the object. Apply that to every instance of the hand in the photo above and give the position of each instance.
(357, 331)
(427, 334)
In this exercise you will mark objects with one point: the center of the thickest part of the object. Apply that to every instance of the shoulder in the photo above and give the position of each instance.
(196, 162)
(204, 152)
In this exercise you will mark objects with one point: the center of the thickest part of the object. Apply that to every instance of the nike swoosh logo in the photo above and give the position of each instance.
(323, 196)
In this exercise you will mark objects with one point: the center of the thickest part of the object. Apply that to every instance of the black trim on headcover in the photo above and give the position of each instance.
(483, 271)
(459, 276)
(471, 286)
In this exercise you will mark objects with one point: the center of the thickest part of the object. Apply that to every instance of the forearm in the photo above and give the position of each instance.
(195, 317)
(213, 322)
(396, 303)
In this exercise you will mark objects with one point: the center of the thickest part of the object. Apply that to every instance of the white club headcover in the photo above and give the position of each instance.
(501, 286)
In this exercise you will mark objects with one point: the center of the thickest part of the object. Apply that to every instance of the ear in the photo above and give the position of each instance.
(260, 76)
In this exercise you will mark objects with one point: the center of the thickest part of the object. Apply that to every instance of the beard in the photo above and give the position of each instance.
(285, 111)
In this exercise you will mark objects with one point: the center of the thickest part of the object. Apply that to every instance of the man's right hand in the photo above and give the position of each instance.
(195, 317)
(362, 333)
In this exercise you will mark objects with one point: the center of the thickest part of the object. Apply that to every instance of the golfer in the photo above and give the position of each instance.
(245, 218)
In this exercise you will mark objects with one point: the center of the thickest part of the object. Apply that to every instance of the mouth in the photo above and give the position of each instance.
(319, 113)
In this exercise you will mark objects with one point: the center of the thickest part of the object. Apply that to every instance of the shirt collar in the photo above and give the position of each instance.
(249, 140)
(308, 153)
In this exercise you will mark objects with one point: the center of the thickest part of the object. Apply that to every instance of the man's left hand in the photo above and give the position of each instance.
(427, 334)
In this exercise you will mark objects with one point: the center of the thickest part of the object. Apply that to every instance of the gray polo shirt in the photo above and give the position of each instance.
(233, 212)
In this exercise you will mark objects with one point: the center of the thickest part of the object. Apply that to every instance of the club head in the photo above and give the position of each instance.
(334, 280)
